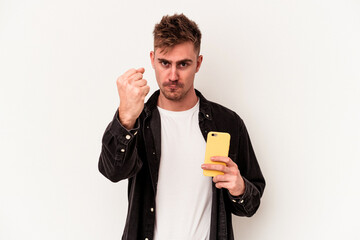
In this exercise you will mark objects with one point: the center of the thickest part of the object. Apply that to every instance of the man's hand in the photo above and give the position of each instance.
(132, 89)
(231, 179)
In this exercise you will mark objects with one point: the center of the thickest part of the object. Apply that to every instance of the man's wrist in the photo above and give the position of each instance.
(241, 189)
(126, 122)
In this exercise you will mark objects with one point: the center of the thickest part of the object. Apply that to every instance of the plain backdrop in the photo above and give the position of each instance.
(289, 68)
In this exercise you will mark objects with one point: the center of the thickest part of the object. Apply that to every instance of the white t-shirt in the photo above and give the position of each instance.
(184, 194)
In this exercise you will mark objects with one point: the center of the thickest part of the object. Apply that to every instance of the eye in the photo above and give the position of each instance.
(183, 64)
(165, 63)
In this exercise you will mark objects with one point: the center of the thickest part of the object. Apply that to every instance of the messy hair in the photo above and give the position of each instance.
(176, 29)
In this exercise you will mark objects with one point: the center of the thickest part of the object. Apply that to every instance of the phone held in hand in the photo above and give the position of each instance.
(217, 144)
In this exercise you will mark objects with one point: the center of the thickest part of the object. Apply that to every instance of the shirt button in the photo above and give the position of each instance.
(135, 133)
(146, 239)
(234, 200)
(207, 115)
(153, 153)
(127, 137)
(122, 150)
(152, 209)
(242, 201)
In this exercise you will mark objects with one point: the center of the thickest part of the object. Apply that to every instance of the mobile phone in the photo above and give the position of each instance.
(217, 144)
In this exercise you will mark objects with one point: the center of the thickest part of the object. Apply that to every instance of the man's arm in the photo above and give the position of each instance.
(242, 177)
(244, 196)
(119, 158)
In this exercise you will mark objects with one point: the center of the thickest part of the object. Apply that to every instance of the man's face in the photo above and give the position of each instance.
(175, 70)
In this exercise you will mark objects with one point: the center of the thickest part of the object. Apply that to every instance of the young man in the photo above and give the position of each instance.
(160, 147)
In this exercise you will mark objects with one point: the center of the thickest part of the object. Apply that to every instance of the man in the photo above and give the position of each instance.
(160, 147)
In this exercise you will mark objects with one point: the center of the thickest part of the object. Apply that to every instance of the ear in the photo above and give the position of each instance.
(152, 58)
(198, 62)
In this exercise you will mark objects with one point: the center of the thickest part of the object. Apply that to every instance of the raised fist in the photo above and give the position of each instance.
(132, 89)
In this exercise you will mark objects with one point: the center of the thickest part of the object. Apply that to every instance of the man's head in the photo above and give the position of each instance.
(175, 60)
(176, 29)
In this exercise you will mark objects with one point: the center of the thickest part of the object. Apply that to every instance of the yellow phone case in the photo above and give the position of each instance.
(217, 144)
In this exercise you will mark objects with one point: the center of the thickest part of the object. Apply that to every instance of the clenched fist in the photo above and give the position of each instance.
(132, 89)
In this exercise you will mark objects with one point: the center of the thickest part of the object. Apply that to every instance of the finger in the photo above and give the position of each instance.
(140, 83)
(146, 90)
(228, 185)
(216, 167)
(221, 178)
(129, 73)
(140, 70)
(135, 77)
(225, 160)
(221, 185)
(218, 185)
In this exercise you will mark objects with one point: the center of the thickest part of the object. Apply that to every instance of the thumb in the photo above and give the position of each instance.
(140, 70)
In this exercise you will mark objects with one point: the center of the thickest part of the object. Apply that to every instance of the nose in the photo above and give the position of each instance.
(173, 74)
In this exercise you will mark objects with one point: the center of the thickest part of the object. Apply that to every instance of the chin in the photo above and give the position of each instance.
(173, 96)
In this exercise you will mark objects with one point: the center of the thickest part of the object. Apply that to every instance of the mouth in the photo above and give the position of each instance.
(172, 86)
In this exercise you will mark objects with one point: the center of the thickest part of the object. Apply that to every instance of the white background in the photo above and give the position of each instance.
(289, 68)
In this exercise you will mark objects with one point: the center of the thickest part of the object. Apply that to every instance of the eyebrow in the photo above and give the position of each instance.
(180, 61)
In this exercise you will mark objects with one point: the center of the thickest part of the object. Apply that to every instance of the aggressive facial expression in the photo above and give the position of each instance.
(175, 70)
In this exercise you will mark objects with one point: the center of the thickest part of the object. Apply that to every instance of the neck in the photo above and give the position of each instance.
(186, 103)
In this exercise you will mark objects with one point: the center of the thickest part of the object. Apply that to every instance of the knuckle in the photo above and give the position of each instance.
(119, 80)
(233, 171)
(123, 84)
(120, 85)
(138, 76)
(131, 71)
(137, 91)
(122, 79)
